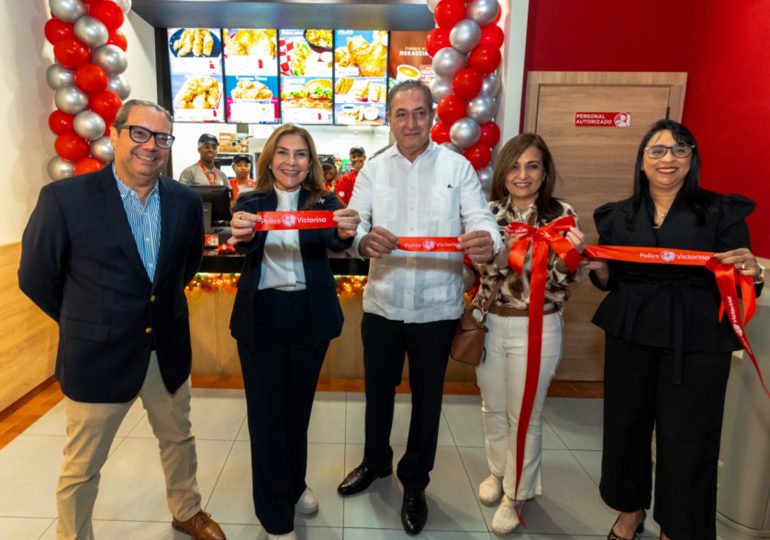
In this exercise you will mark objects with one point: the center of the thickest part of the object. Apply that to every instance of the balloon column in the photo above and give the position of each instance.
(465, 48)
(87, 81)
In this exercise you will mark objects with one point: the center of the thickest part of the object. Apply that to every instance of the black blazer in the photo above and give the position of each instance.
(80, 265)
(325, 312)
(672, 307)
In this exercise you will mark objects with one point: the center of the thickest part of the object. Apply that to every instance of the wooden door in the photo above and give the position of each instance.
(596, 165)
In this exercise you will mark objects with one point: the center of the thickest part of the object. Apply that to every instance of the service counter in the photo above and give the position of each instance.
(211, 296)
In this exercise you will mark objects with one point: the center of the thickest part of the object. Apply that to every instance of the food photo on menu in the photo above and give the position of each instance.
(195, 62)
(360, 70)
(251, 67)
(305, 60)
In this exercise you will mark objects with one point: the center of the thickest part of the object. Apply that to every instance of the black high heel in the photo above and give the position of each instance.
(639, 528)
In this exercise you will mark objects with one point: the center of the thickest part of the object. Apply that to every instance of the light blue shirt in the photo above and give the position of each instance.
(144, 220)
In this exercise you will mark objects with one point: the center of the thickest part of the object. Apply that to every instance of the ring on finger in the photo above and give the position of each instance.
(743, 266)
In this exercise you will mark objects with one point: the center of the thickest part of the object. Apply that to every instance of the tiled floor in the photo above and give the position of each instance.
(131, 501)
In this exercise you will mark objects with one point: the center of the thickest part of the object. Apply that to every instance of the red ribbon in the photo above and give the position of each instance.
(541, 239)
(429, 243)
(728, 282)
(289, 221)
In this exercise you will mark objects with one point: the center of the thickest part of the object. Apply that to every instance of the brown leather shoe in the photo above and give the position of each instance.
(200, 527)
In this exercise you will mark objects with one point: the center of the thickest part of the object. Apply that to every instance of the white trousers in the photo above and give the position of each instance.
(501, 379)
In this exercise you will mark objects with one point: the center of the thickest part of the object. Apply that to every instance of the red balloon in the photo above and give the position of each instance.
(71, 53)
(467, 83)
(485, 58)
(490, 134)
(117, 38)
(56, 30)
(60, 122)
(91, 78)
(109, 13)
(105, 104)
(479, 155)
(87, 165)
(450, 109)
(448, 13)
(437, 39)
(499, 14)
(440, 133)
(71, 146)
(492, 34)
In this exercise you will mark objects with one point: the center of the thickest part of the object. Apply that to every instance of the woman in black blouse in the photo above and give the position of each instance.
(667, 355)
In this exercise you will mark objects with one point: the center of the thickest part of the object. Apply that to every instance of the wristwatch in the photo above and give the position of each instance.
(760, 278)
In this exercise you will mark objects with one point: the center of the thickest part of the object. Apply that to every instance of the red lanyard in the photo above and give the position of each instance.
(212, 181)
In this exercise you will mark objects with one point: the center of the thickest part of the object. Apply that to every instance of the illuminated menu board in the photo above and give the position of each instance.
(305, 60)
(409, 59)
(195, 61)
(360, 70)
(251, 75)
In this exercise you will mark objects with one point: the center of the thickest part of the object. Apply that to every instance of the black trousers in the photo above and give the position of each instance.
(427, 348)
(639, 395)
(280, 376)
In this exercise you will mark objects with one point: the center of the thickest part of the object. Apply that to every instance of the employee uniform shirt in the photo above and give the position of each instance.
(282, 261)
(144, 220)
(194, 176)
(439, 194)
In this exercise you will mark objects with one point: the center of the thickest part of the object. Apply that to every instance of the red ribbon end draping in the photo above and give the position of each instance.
(542, 240)
(288, 221)
(429, 243)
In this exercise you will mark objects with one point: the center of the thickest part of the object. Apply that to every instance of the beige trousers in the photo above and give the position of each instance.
(91, 428)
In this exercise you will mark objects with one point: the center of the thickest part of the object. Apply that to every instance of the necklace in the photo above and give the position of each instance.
(660, 215)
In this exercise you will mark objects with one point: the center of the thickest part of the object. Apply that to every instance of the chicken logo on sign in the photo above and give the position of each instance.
(289, 220)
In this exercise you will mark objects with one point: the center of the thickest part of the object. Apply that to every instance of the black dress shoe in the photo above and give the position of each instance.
(361, 478)
(639, 529)
(414, 511)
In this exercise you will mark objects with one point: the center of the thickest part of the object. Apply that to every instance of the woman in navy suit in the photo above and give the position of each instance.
(286, 311)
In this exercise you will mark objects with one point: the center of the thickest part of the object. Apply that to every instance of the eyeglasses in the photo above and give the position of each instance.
(141, 135)
(678, 150)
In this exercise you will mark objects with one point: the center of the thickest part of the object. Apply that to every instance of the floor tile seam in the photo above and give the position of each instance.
(473, 488)
(544, 418)
(344, 455)
(52, 524)
(221, 470)
(4, 516)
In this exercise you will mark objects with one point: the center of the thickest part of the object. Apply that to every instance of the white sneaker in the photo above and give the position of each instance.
(505, 521)
(490, 490)
(307, 503)
(289, 536)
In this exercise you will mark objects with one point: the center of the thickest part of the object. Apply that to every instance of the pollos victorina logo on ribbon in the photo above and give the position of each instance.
(434, 244)
(286, 221)
(289, 220)
(667, 256)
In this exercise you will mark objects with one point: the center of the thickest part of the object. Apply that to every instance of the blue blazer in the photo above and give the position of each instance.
(80, 265)
(325, 313)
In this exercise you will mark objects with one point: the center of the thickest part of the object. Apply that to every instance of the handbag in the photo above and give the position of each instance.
(468, 342)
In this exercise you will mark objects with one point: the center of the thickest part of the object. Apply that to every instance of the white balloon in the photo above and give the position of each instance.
(465, 35)
(483, 11)
(482, 108)
(119, 85)
(91, 31)
(102, 149)
(125, 5)
(59, 168)
(452, 147)
(432, 5)
(485, 177)
(70, 99)
(491, 84)
(89, 125)
(67, 10)
(447, 62)
(465, 132)
(440, 87)
(111, 59)
(57, 75)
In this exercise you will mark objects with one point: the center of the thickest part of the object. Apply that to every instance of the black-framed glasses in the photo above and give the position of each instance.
(657, 151)
(141, 135)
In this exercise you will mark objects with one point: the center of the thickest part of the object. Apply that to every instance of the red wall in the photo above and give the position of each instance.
(719, 44)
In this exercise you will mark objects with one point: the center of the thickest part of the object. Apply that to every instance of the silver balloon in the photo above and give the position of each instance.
(485, 177)
(452, 147)
(91, 31)
(125, 5)
(102, 149)
(119, 85)
(59, 168)
(483, 11)
(465, 35)
(67, 10)
(440, 87)
(89, 125)
(111, 59)
(491, 84)
(465, 132)
(432, 5)
(482, 108)
(70, 99)
(447, 62)
(57, 75)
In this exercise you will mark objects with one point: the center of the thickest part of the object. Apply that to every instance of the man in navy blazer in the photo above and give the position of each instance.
(107, 255)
